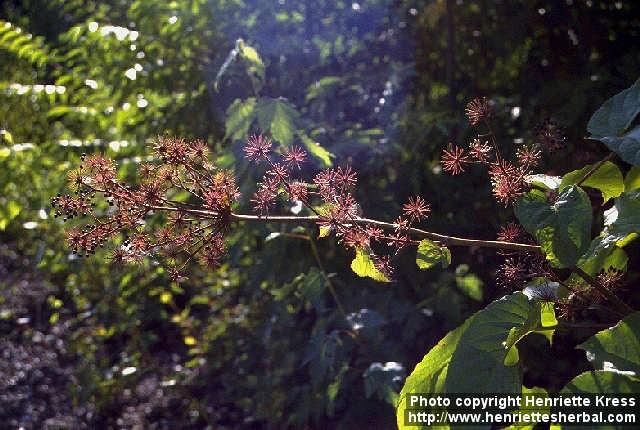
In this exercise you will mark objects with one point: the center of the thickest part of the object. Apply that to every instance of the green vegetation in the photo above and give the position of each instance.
(293, 329)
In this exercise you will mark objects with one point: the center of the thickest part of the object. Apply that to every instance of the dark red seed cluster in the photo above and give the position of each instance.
(508, 178)
(194, 197)
(329, 195)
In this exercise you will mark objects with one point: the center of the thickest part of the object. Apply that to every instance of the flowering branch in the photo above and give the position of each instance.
(444, 239)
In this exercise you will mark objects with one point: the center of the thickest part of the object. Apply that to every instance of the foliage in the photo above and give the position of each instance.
(283, 334)
(558, 214)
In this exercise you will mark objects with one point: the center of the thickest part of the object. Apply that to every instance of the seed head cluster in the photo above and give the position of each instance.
(508, 178)
(182, 205)
(329, 195)
(177, 212)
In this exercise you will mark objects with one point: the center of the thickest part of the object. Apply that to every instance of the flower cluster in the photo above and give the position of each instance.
(508, 178)
(329, 196)
(193, 200)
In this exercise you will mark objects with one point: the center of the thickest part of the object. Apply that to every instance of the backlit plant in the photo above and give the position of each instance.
(549, 253)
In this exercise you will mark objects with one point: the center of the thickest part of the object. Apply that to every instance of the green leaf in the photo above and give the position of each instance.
(627, 146)
(278, 117)
(618, 346)
(316, 150)
(322, 86)
(470, 358)
(563, 228)
(548, 315)
(538, 321)
(430, 253)
(603, 254)
(624, 218)
(632, 180)
(607, 179)
(240, 115)
(602, 382)
(363, 266)
(530, 392)
(58, 111)
(616, 114)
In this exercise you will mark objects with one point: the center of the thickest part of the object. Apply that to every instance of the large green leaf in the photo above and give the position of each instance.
(562, 228)
(624, 218)
(603, 254)
(607, 179)
(240, 115)
(363, 266)
(622, 224)
(602, 382)
(616, 114)
(613, 118)
(470, 358)
(277, 117)
(618, 346)
(632, 180)
(430, 254)
(626, 146)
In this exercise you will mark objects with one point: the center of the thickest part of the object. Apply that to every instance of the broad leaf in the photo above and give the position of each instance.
(277, 117)
(561, 228)
(470, 358)
(632, 180)
(624, 218)
(603, 254)
(530, 392)
(363, 266)
(626, 146)
(602, 382)
(607, 179)
(240, 115)
(617, 347)
(616, 114)
(430, 254)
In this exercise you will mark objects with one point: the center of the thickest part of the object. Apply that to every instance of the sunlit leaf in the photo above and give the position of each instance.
(363, 266)
(607, 178)
(430, 254)
(617, 347)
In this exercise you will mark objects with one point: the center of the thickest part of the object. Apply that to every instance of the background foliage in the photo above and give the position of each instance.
(261, 343)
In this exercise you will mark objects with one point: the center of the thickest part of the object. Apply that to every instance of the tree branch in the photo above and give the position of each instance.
(447, 240)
